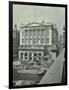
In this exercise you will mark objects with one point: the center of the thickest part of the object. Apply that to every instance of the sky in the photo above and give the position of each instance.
(23, 14)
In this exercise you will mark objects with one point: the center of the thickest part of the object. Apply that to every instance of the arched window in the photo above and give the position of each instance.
(35, 54)
(39, 54)
(26, 55)
(30, 54)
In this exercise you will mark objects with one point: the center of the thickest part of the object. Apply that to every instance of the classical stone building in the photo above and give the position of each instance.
(34, 38)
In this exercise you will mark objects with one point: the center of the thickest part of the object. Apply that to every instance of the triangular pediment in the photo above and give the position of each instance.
(33, 24)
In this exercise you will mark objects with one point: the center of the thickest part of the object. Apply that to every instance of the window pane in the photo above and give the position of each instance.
(34, 33)
(39, 54)
(26, 54)
(42, 40)
(23, 41)
(30, 33)
(42, 33)
(30, 54)
(47, 32)
(34, 41)
(22, 33)
(47, 40)
(21, 56)
(30, 41)
(39, 41)
(26, 33)
(39, 33)
(35, 54)
(26, 41)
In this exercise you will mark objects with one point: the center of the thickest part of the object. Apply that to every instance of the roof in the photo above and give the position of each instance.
(33, 24)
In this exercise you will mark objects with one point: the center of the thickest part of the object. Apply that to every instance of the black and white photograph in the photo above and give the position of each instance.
(38, 44)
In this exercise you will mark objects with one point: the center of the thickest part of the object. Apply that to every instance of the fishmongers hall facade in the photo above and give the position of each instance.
(34, 37)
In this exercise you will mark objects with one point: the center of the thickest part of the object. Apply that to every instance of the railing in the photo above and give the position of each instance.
(54, 74)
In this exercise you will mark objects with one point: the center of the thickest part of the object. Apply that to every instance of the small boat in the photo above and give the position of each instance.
(34, 75)
(35, 72)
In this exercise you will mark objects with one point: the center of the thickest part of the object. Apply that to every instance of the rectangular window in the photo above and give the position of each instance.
(39, 33)
(30, 33)
(26, 41)
(22, 33)
(30, 41)
(42, 41)
(34, 41)
(47, 32)
(42, 33)
(22, 41)
(34, 33)
(21, 55)
(47, 40)
(26, 33)
(39, 41)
